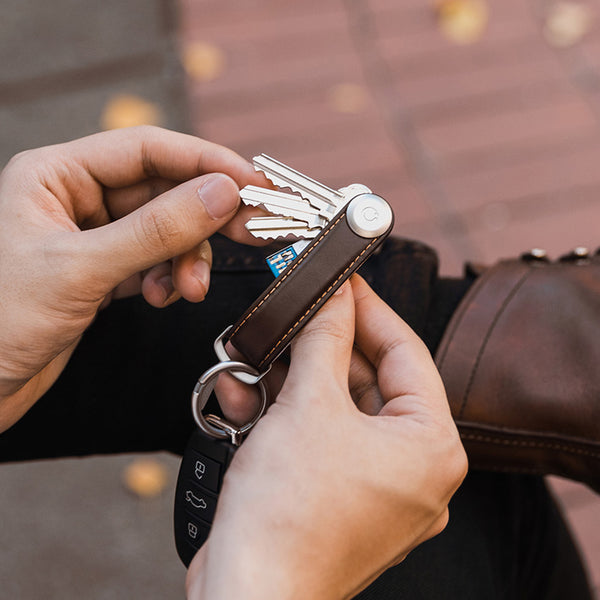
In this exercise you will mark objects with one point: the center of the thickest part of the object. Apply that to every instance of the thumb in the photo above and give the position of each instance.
(165, 227)
(321, 352)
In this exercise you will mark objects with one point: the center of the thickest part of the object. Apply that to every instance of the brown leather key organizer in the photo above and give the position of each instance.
(344, 228)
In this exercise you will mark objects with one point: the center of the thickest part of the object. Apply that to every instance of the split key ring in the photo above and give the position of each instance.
(213, 425)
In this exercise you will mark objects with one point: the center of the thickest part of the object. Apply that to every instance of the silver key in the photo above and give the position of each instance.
(302, 216)
(270, 228)
(286, 205)
(320, 196)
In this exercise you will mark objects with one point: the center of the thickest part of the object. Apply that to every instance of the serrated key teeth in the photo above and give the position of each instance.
(272, 235)
(323, 198)
(283, 204)
(280, 227)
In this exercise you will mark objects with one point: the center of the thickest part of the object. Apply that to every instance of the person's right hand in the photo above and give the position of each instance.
(105, 216)
(351, 467)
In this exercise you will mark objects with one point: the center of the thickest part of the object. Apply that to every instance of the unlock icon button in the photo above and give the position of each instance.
(206, 472)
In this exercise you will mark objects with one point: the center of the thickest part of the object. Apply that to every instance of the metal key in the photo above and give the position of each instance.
(286, 205)
(316, 194)
(302, 215)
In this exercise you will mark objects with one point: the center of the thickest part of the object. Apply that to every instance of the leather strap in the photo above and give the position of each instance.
(268, 326)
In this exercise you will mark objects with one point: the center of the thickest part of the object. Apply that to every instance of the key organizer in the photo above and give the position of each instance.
(345, 227)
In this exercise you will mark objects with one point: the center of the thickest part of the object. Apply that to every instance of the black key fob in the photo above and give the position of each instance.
(200, 478)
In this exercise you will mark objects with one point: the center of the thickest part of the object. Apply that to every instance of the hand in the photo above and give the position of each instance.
(351, 468)
(105, 216)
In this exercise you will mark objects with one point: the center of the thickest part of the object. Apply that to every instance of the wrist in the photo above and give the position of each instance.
(247, 572)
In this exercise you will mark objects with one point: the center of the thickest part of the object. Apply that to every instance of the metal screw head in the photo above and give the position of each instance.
(535, 254)
(369, 215)
(581, 253)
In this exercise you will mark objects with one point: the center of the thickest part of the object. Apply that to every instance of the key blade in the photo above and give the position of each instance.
(280, 203)
(270, 228)
(327, 200)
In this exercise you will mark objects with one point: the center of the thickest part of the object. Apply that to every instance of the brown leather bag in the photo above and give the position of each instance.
(521, 363)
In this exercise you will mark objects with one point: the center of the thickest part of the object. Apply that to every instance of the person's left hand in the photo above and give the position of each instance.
(105, 216)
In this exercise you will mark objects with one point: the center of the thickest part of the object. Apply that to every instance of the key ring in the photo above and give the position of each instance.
(216, 426)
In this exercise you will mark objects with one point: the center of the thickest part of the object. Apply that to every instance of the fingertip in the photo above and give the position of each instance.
(360, 288)
(159, 293)
(238, 401)
(191, 272)
(158, 288)
(325, 343)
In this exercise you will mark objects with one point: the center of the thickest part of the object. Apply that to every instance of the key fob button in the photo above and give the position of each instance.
(196, 531)
(205, 472)
(198, 502)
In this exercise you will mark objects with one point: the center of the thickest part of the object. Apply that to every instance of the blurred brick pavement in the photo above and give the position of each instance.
(484, 150)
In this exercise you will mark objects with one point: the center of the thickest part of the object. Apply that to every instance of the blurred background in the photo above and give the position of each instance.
(479, 121)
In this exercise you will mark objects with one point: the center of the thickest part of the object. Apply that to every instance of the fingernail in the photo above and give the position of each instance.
(201, 272)
(166, 285)
(218, 196)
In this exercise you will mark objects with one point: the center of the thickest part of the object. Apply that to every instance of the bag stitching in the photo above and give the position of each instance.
(528, 444)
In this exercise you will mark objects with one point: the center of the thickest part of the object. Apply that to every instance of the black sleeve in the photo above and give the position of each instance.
(128, 384)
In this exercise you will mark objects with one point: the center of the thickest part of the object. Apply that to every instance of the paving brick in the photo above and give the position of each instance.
(307, 114)
(483, 89)
(553, 123)
(572, 494)
(434, 233)
(425, 45)
(257, 86)
(64, 117)
(48, 37)
(84, 535)
(227, 19)
(536, 176)
(585, 523)
(557, 232)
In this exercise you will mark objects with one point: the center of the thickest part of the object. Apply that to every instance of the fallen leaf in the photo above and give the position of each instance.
(203, 61)
(462, 21)
(145, 478)
(127, 110)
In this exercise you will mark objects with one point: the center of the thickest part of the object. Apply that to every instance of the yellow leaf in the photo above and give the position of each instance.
(462, 21)
(203, 61)
(127, 110)
(146, 478)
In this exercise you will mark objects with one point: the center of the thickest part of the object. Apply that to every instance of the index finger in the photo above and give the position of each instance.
(403, 362)
(123, 157)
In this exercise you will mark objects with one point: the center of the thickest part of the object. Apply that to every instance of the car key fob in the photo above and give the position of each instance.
(200, 478)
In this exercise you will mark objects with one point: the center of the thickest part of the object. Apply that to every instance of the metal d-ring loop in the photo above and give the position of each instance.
(249, 377)
(217, 427)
